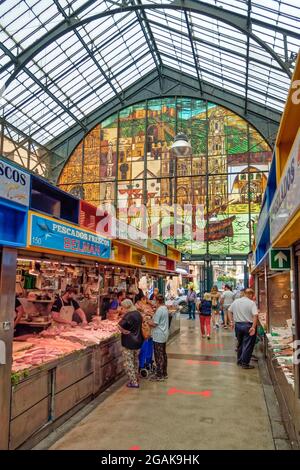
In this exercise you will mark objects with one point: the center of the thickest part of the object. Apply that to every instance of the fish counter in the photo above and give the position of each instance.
(57, 372)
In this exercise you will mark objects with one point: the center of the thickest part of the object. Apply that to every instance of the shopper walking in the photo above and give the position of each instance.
(226, 300)
(160, 334)
(191, 300)
(215, 306)
(205, 315)
(131, 328)
(245, 318)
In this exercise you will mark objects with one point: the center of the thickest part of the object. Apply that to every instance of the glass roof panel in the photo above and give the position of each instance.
(28, 20)
(78, 72)
(99, 6)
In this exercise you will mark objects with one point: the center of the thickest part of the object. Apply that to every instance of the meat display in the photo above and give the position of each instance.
(94, 333)
(58, 341)
(21, 346)
(42, 350)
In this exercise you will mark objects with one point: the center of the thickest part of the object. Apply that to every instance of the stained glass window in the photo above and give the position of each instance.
(127, 160)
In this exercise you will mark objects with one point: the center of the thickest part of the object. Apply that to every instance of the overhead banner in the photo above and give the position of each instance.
(286, 200)
(52, 234)
(14, 183)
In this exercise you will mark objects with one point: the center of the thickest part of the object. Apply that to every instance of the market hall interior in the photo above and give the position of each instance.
(180, 121)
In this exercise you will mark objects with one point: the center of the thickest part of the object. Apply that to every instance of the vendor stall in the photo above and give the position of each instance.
(57, 361)
(14, 202)
(277, 270)
(53, 376)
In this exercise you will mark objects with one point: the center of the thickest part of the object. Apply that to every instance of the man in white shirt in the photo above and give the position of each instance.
(160, 334)
(245, 318)
(226, 300)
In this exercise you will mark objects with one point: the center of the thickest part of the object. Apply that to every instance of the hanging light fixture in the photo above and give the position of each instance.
(181, 146)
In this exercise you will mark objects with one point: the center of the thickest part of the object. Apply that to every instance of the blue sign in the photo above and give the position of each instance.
(261, 224)
(14, 183)
(52, 234)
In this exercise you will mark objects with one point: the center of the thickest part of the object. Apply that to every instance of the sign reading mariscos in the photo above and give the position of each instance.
(51, 234)
(14, 183)
(287, 197)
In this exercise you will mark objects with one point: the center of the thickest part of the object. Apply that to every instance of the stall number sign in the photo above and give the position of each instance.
(280, 259)
(14, 183)
(52, 234)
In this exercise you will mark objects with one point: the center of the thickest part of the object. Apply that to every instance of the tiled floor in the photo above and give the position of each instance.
(207, 403)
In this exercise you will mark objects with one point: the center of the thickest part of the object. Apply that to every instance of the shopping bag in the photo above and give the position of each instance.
(146, 330)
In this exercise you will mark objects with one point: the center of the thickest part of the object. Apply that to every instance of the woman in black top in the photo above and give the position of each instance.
(132, 340)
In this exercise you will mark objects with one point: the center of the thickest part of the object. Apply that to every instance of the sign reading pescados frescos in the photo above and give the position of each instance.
(14, 183)
(51, 234)
(287, 197)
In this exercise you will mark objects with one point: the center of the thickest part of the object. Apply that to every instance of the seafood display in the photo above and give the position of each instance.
(280, 343)
(57, 341)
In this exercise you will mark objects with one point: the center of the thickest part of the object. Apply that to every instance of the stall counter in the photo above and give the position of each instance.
(46, 395)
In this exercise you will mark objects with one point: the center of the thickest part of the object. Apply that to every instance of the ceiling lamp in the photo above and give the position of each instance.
(181, 147)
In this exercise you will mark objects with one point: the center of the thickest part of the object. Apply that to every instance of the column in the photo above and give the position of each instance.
(8, 262)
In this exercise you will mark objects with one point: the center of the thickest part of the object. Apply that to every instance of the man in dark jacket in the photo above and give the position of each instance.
(191, 300)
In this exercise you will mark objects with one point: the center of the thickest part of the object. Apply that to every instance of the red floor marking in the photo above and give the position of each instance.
(213, 363)
(205, 393)
(135, 448)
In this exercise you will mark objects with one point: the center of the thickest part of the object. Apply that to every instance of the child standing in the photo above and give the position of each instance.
(205, 315)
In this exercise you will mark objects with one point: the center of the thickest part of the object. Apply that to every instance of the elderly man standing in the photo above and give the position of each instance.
(160, 334)
(245, 319)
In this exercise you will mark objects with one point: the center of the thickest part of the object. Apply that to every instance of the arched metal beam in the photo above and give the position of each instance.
(43, 87)
(233, 19)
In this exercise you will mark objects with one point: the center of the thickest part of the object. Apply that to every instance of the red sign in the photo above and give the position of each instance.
(204, 393)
